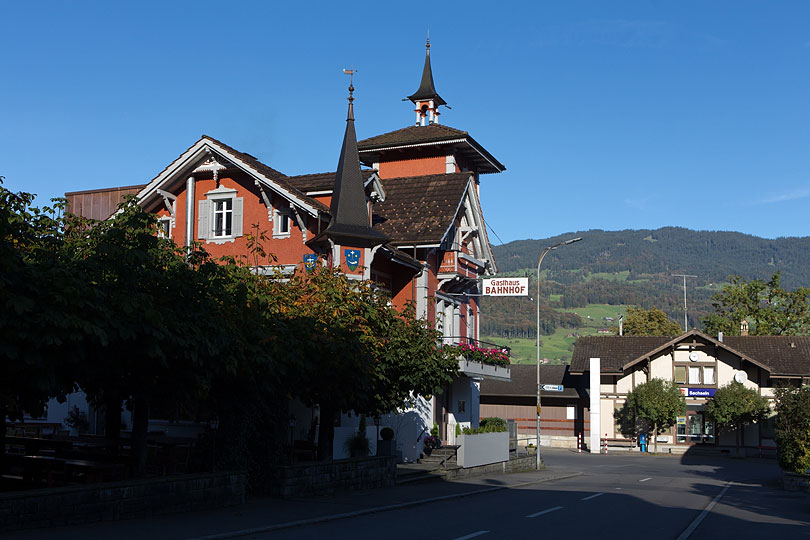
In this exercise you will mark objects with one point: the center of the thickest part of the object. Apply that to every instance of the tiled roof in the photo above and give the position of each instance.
(613, 351)
(460, 142)
(419, 209)
(785, 355)
(413, 135)
(524, 382)
(277, 177)
(319, 181)
(781, 355)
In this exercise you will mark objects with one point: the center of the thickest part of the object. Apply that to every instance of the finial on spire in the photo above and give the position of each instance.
(350, 73)
(427, 45)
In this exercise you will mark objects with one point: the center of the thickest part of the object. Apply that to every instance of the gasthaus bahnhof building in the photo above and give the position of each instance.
(699, 364)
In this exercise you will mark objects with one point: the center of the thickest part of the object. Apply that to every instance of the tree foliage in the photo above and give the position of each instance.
(769, 309)
(349, 349)
(793, 428)
(42, 309)
(649, 322)
(734, 406)
(653, 405)
(115, 310)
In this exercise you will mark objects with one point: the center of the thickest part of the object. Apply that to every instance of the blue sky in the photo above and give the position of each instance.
(608, 115)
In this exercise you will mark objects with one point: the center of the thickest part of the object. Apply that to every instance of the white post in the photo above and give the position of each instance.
(190, 202)
(596, 426)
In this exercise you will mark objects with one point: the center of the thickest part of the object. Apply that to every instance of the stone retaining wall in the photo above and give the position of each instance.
(795, 482)
(324, 478)
(518, 464)
(72, 505)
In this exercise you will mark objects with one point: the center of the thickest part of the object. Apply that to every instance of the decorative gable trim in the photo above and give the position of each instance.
(470, 207)
(199, 156)
(682, 338)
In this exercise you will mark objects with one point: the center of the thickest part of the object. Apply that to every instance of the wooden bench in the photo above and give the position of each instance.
(630, 444)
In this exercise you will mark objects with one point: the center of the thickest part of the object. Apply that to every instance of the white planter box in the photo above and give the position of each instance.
(482, 449)
(486, 371)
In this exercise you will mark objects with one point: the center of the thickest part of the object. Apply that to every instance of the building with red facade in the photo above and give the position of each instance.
(410, 220)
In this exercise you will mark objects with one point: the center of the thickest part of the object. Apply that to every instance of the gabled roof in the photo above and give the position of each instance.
(619, 353)
(266, 176)
(430, 135)
(420, 209)
(786, 355)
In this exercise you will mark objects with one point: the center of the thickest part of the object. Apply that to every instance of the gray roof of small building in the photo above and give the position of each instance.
(524, 382)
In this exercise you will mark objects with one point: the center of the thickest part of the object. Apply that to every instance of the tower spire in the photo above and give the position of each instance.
(350, 223)
(426, 98)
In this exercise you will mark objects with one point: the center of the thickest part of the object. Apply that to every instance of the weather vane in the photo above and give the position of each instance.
(350, 73)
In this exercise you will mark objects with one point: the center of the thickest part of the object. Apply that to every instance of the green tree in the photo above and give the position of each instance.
(793, 428)
(375, 356)
(649, 322)
(44, 326)
(734, 406)
(656, 403)
(172, 322)
(769, 309)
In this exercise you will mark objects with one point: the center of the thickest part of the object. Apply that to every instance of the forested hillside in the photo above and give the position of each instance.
(635, 267)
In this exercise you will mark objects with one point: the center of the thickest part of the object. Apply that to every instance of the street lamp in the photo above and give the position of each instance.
(537, 299)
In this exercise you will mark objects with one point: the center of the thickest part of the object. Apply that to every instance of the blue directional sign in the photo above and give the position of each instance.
(552, 387)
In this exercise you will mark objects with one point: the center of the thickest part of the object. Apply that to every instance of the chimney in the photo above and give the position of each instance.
(720, 337)
(621, 325)
(744, 328)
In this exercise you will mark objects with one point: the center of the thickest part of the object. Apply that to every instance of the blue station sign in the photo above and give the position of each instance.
(700, 392)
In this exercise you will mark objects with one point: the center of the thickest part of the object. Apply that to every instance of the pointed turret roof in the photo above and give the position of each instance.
(350, 219)
(426, 88)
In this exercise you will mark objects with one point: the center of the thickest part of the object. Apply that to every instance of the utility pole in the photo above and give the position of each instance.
(684, 276)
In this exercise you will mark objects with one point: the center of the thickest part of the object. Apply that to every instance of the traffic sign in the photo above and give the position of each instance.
(552, 387)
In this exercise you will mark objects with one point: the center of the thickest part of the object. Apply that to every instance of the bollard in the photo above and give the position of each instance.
(579, 443)
(606, 444)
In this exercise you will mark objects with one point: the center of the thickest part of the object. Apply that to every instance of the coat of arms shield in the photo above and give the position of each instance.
(352, 258)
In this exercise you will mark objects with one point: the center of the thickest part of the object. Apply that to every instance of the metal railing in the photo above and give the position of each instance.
(464, 340)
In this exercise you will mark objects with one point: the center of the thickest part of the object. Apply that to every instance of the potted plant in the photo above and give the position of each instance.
(358, 445)
(77, 421)
(387, 445)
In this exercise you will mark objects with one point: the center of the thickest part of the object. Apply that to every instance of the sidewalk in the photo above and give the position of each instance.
(260, 515)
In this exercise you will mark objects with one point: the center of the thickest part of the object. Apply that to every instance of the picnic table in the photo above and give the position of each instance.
(38, 445)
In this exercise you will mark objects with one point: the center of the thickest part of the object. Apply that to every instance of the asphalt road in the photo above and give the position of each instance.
(619, 496)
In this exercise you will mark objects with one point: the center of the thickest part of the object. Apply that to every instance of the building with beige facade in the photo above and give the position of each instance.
(699, 364)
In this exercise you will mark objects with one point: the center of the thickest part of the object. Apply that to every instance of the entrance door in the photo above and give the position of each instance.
(695, 428)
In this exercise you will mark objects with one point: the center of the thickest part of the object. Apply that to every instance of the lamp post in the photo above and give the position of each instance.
(537, 300)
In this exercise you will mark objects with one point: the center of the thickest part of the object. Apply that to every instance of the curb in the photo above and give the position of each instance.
(344, 515)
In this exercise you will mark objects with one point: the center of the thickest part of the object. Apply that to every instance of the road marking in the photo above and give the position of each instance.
(544, 512)
(472, 535)
(645, 479)
(377, 509)
(588, 498)
(691, 528)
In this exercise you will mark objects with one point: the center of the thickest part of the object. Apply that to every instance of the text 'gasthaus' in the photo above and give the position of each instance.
(506, 287)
